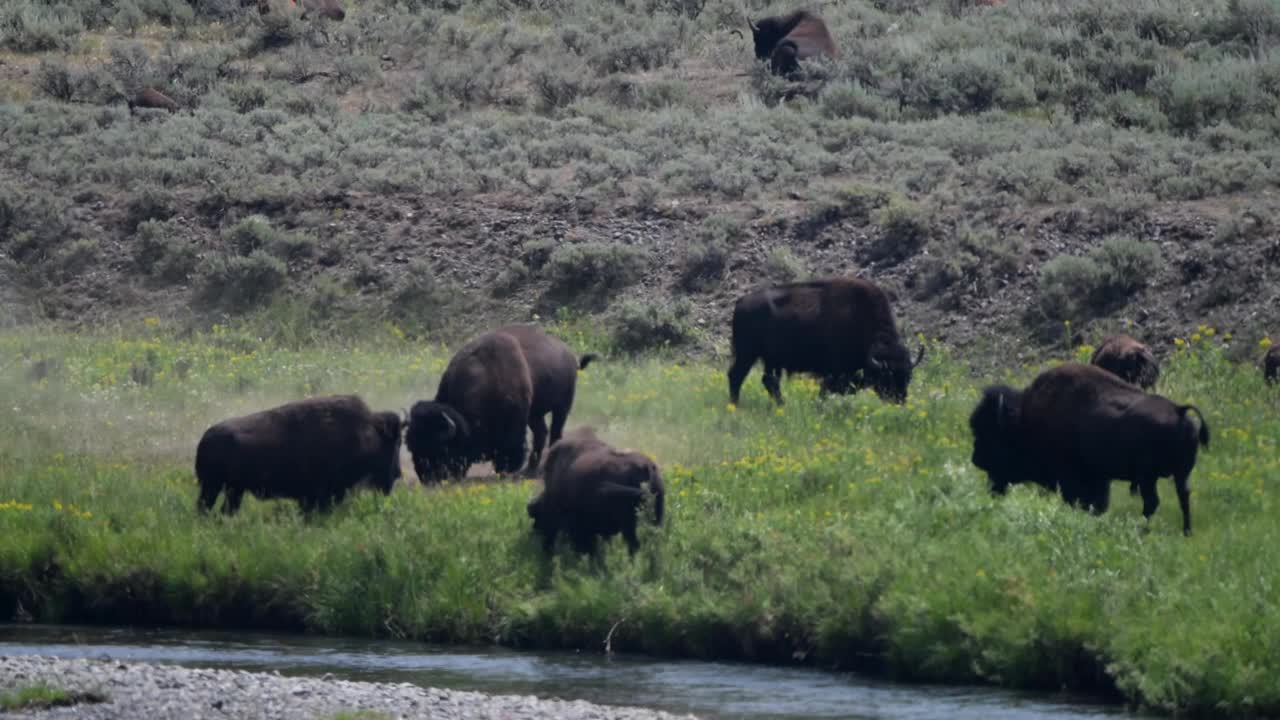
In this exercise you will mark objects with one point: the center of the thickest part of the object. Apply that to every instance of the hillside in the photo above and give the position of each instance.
(1009, 173)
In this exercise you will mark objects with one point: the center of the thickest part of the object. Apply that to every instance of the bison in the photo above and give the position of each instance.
(785, 40)
(593, 490)
(494, 386)
(554, 372)
(1129, 360)
(839, 329)
(1270, 363)
(1076, 428)
(313, 451)
(150, 98)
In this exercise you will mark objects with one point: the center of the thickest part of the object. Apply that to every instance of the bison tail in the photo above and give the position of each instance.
(1204, 426)
(585, 360)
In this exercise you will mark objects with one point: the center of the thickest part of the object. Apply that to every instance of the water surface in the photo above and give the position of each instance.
(710, 690)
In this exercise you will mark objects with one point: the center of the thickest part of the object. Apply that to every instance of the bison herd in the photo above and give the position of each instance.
(1073, 430)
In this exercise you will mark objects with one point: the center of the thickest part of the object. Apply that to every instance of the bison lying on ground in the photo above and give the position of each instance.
(1129, 360)
(785, 40)
(313, 451)
(1076, 428)
(839, 329)
(1271, 364)
(593, 490)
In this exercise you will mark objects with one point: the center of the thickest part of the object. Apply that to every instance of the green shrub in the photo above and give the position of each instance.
(782, 266)
(904, 229)
(592, 269)
(55, 80)
(421, 302)
(641, 326)
(703, 265)
(161, 252)
(1066, 287)
(33, 26)
(1079, 288)
(238, 283)
(255, 233)
(509, 280)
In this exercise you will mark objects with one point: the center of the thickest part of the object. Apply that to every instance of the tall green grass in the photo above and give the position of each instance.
(842, 532)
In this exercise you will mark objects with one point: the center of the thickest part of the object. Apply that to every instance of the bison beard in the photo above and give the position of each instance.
(839, 329)
(593, 490)
(1076, 428)
(313, 451)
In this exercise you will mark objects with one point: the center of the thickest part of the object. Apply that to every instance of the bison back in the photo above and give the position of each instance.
(488, 382)
(553, 368)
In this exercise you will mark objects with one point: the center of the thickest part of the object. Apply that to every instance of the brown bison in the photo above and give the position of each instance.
(1270, 363)
(481, 407)
(152, 99)
(1129, 360)
(839, 329)
(785, 40)
(313, 451)
(554, 372)
(1076, 428)
(592, 490)
(494, 386)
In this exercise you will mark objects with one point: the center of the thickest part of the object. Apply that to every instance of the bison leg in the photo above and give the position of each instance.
(558, 419)
(1134, 488)
(1150, 498)
(741, 368)
(231, 503)
(1184, 500)
(538, 424)
(629, 535)
(1099, 496)
(209, 491)
(509, 460)
(773, 383)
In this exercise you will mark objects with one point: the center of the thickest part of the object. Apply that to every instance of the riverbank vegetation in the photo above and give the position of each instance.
(42, 697)
(842, 532)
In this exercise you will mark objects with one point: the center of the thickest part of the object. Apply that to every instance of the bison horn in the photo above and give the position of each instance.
(452, 427)
(754, 28)
(876, 363)
(919, 357)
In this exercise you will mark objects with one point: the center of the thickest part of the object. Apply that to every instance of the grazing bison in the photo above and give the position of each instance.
(481, 407)
(1076, 428)
(592, 490)
(785, 40)
(152, 99)
(554, 372)
(1129, 360)
(839, 329)
(1271, 364)
(313, 451)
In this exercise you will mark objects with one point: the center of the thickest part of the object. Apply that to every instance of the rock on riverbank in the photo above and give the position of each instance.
(165, 692)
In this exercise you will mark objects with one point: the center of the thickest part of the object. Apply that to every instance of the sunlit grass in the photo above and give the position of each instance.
(41, 696)
(844, 532)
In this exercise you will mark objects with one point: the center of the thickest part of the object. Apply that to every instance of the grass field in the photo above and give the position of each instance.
(842, 532)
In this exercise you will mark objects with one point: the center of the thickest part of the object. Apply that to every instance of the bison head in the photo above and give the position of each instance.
(438, 438)
(389, 426)
(996, 433)
(888, 371)
(766, 34)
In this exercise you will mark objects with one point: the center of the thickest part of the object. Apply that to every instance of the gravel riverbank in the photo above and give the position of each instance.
(164, 692)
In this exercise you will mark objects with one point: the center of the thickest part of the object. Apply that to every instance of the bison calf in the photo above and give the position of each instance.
(785, 40)
(1076, 428)
(592, 490)
(1270, 363)
(1129, 360)
(313, 451)
(493, 387)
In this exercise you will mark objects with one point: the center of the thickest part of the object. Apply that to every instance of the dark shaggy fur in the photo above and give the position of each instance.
(1270, 363)
(481, 407)
(151, 98)
(1129, 360)
(592, 490)
(554, 372)
(839, 329)
(785, 40)
(1076, 428)
(313, 451)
